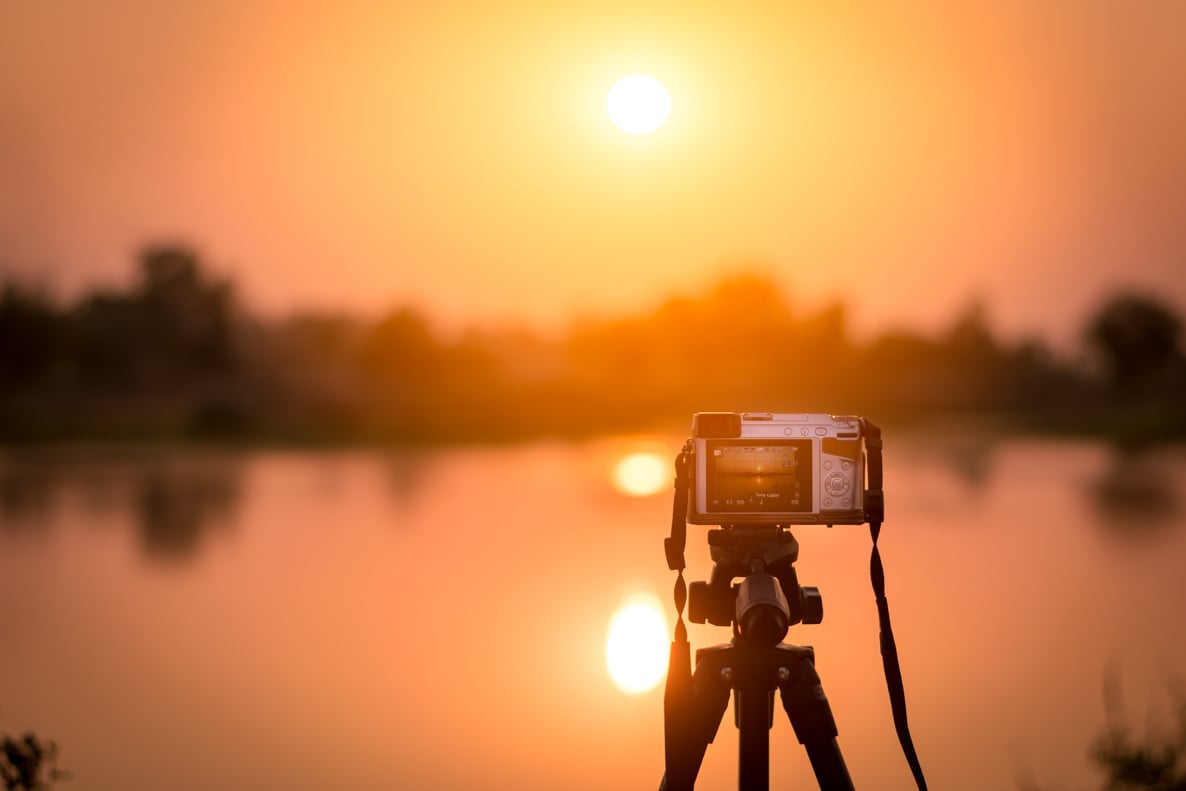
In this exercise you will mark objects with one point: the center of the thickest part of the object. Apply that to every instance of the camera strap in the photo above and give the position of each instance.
(677, 696)
(874, 514)
(674, 544)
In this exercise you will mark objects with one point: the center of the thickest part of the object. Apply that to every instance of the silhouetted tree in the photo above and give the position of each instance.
(401, 352)
(107, 340)
(310, 354)
(32, 335)
(190, 314)
(174, 326)
(1135, 339)
(901, 371)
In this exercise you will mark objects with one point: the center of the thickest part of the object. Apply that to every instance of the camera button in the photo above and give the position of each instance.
(827, 465)
(836, 484)
(820, 431)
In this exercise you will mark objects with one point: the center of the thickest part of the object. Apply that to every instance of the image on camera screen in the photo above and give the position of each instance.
(745, 477)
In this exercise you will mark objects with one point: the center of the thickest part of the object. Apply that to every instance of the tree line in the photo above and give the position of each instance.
(176, 354)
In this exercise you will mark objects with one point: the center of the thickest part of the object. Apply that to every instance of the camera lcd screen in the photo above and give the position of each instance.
(748, 476)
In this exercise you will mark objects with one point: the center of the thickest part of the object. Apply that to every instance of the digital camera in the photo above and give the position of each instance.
(776, 468)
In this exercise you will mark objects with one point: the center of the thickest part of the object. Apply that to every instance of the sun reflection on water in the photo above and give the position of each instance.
(636, 647)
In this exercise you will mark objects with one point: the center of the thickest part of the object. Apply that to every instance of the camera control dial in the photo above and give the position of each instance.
(837, 484)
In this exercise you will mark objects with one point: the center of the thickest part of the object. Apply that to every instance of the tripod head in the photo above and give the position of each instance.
(760, 608)
(769, 598)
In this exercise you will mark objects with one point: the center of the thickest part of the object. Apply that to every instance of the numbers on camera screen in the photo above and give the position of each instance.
(763, 478)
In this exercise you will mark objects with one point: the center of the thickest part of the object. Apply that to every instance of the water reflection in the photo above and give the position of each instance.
(966, 450)
(176, 499)
(971, 461)
(177, 507)
(27, 495)
(408, 472)
(301, 649)
(1136, 496)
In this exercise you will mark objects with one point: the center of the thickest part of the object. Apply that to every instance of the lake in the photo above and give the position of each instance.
(197, 618)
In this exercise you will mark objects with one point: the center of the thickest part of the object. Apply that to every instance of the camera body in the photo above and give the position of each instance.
(776, 468)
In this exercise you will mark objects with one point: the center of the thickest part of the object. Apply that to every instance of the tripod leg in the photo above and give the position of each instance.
(811, 717)
(677, 703)
(753, 722)
(699, 713)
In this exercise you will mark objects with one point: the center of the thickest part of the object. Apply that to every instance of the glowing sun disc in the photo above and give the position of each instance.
(638, 104)
(637, 646)
(641, 474)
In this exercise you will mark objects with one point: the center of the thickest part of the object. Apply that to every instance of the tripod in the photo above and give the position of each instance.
(752, 666)
(761, 609)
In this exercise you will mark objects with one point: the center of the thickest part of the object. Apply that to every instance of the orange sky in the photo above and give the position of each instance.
(458, 156)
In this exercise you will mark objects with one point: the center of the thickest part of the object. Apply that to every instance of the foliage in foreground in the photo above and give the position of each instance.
(28, 763)
(1156, 764)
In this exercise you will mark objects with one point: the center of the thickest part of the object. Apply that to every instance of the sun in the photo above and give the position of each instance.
(638, 104)
(641, 474)
(637, 646)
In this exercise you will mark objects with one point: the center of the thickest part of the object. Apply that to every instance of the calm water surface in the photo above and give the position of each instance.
(196, 619)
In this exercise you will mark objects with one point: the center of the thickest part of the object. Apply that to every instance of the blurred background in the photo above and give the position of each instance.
(325, 334)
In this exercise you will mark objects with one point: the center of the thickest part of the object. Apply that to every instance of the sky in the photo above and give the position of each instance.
(457, 157)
